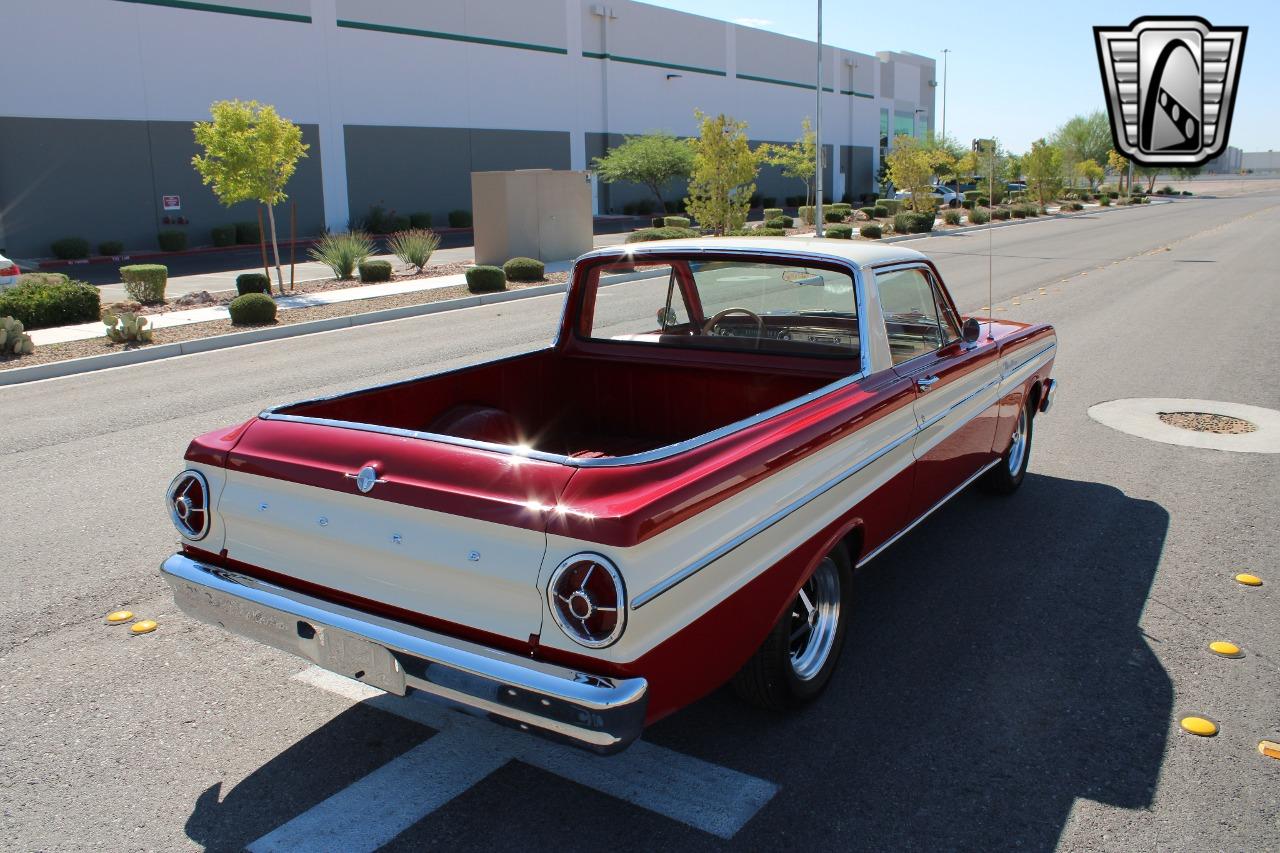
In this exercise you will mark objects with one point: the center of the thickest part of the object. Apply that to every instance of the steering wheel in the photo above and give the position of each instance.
(709, 326)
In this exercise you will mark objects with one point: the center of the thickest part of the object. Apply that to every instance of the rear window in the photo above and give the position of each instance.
(738, 304)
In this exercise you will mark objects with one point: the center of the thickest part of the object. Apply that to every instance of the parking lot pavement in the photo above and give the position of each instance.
(1013, 676)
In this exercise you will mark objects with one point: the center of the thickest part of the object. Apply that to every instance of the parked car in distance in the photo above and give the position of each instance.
(581, 540)
(945, 196)
(9, 272)
(1016, 187)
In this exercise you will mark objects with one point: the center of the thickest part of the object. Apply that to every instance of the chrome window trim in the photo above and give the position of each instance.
(900, 266)
(620, 589)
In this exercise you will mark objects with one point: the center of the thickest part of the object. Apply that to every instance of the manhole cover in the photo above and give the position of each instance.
(1209, 424)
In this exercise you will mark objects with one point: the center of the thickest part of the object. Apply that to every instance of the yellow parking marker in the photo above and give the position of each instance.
(119, 616)
(1248, 579)
(146, 626)
(1269, 748)
(1200, 726)
(1225, 649)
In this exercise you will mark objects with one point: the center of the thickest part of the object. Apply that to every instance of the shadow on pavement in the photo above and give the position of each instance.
(994, 671)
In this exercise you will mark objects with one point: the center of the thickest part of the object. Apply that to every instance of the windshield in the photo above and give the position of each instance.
(752, 305)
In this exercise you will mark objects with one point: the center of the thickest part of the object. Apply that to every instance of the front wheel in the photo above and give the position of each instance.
(1008, 473)
(795, 662)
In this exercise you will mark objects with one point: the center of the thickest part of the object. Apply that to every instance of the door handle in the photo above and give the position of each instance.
(924, 383)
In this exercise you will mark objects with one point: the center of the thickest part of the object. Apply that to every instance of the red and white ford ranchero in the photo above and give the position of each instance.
(581, 540)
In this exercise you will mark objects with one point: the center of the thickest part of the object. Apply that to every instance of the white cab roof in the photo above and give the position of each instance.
(857, 252)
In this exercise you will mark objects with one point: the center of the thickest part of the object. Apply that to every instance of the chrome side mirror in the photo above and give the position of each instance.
(971, 330)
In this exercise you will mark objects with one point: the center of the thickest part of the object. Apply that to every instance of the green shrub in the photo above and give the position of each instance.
(414, 247)
(422, 219)
(1113, 194)
(524, 269)
(833, 216)
(1000, 213)
(979, 216)
(844, 206)
(838, 232)
(252, 309)
(1104, 200)
(247, 232)
(1035, 210)
(871, 231)
(646, 234)
(868, 213)
(172, 241)
(783, 221)
(951, 217)
(913, 223)
(252, 282)
(762, 231)
(891, 206)
(1075, 205)
(972, 195)
(373, 271)
(459, 219)
(657, 221)
(881, 211)
(1187, 192)
(486, 279)
(1019, 212)
(982, 201)
(70, 248)
(13, 340)
(342, 253)
(41, 300)
(145, 282)
(223, 235)
(1167, 190)
(110, 247)
(804, 213)
(675, 221)
(772, 213)
(398, 223)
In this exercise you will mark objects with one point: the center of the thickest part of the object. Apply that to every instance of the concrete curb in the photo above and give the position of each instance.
(1044, 217)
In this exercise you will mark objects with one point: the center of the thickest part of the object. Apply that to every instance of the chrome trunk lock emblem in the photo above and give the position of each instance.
(366, 479)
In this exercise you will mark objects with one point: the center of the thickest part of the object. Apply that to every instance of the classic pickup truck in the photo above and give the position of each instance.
(580, 540)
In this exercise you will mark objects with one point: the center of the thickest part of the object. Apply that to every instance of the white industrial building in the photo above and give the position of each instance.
(400, 100)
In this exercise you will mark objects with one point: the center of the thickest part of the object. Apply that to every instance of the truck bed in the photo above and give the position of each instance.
(571, 405)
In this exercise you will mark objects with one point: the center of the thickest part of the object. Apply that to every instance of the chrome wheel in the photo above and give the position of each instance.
(815, 615)
(1018, 444)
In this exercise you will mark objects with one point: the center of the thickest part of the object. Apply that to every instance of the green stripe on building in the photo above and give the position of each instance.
(654, 63)
(855, 93)
(224, 10)
(431, 34)
(778, 82)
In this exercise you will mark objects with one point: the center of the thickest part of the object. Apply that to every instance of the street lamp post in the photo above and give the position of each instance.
(945, 51)
(817, 137)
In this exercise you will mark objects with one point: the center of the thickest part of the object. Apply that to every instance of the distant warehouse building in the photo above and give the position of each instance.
(400, 100)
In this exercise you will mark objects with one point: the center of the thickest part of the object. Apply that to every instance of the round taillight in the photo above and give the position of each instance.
(188, 499)
(588, 600)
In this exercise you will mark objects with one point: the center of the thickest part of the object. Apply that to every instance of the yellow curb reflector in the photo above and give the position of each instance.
(146, 626)
(1227, 650)
(1269, 748)
(1248, 579)
(1200, 726)
(119, 616)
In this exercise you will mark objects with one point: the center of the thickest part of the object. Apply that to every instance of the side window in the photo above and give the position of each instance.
(910, 313)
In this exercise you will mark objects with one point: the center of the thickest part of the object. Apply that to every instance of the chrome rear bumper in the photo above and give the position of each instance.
(600, 714)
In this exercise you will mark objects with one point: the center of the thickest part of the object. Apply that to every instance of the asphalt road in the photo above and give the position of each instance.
(1013, 676)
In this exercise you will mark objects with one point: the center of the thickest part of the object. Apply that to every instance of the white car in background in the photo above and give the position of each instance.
(945, 197)
(9, 272)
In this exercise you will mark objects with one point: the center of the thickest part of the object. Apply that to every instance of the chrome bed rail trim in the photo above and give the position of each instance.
(598, 713)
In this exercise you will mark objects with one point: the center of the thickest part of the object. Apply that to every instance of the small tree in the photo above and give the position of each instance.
(911, 169)
(1186, 173)
(1043, 166)
(1150, 174)
(250, 152)
(1013, 168)
(724, 173)
(1119, 164)
(796, 160)
(651, 160)
(1090, 171)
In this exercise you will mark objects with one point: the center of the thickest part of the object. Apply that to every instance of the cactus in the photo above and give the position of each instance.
(13, 339)
(127, 326)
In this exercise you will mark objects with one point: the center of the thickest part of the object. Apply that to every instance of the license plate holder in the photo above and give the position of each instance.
(355, 657)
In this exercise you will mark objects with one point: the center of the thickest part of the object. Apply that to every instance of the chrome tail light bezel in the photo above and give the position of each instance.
(189, 516)
(562, 606)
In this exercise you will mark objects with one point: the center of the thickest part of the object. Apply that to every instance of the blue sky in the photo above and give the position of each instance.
(1018, 70)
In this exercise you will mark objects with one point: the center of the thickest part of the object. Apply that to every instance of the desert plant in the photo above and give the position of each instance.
(645, 234)
(41, 300)
(172, 241)
(881, 210)
(951, 217)
(913, 223)
(838, 232)
(459, 219)
(829, 215)
(374, 271)
(1019, 212)
(868, 213)
(805, 213)
(110, 247)
(979, 216)
(486, 279)
(891, 206)
(252, 309)
(675, 222)
(342, 253)
(247, 232)
(127, 327)
(13, 340)
(223, 235)
(1104, 200)
(414, 247)
(871, 231)
(722, 180)
(421, 219)
(1000, 213)
(252, 282)
(772, 213)
(524, 269)
(779, 222)
(760, 231)
(145, 282)
(70, 248)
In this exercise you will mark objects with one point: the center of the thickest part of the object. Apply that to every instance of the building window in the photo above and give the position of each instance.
(884, 128)
(904, 124)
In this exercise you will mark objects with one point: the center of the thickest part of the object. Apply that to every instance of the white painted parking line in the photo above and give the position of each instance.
(375, 809)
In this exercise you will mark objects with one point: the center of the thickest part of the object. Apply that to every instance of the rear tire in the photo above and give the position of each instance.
(796, 660)
(1007, 475)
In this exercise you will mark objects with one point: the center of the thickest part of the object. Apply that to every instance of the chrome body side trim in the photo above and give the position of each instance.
(599, 714)
(904, 531)
(1005, 374)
